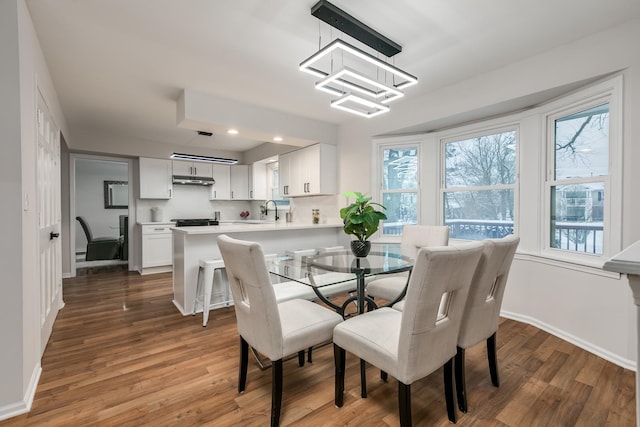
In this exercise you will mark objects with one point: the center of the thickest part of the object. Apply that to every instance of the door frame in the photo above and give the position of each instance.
(73, 157)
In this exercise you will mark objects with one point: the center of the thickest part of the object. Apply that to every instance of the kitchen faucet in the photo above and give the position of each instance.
(274, 205)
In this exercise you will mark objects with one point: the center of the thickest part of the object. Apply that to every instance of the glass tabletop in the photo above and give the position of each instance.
(328, 268)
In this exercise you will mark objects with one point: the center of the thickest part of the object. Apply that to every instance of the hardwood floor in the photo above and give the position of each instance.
(121, 354)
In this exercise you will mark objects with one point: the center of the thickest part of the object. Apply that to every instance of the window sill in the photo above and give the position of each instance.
(582, 266)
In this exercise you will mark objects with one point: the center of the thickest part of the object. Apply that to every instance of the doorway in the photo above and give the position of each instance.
(101, 196)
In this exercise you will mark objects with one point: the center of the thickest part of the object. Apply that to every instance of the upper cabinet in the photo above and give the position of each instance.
(240, 182)
(309, 171)
(185, 168)
(258, 181)
(221, 189)
(155, 178)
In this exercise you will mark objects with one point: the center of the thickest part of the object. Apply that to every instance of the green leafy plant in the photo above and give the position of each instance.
(361, 218)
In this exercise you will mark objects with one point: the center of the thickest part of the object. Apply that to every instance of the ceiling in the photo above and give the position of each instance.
(119, 66)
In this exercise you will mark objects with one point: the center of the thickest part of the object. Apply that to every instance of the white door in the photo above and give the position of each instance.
(49, 220)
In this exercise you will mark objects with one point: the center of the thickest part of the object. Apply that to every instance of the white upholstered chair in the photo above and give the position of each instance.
(482, 311)
(411, 344)
(414, 237)
(274, 329)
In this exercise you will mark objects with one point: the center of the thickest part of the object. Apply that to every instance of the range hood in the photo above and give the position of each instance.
(193, 180)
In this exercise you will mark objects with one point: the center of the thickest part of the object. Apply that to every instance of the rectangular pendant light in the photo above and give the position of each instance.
(363, 107)
(355, 81)
(204, 159)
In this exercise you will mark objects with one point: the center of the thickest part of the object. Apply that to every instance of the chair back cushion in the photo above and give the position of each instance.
(428, 340)
(257, 315)
(85, 227)
(415, 237)
(482, 311)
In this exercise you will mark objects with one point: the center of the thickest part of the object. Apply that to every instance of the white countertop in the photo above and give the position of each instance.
(627, 261)
(171, 223)
(239, 227)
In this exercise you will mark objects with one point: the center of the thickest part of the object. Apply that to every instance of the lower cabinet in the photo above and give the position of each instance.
(157, 248)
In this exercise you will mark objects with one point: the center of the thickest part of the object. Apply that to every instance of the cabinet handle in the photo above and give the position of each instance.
(251, 194)
(169, 193)
(215, 194)
(195, 170)
(232, 194)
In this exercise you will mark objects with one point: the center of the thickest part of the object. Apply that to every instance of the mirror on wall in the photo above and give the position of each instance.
(116, 194)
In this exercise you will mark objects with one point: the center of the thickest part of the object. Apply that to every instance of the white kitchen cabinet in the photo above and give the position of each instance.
(221, 189)
(258, 181)
(311, 171)
(155, 178)
(284, 173)
(240, 182)
(185, 168)
(157, 246)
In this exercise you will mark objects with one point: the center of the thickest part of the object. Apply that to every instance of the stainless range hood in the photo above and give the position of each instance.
(193, 180)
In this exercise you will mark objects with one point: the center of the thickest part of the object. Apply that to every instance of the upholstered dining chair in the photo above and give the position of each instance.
(414, 237)
(99, 248)
(274, 329)
(411, 344)
(482, 310)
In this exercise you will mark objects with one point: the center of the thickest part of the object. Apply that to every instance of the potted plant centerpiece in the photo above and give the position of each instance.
(361, 219)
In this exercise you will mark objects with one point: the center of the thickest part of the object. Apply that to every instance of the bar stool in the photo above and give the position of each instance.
(206, 277)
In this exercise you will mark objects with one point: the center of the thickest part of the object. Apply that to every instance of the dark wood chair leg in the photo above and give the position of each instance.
(276, 392)
(309, 351)
(244, 362)
(461, 386)
(448, 390)
(384, 376)
(339, 362)
(301, 358)
(404, 403)
(363, 379)
(492, 355)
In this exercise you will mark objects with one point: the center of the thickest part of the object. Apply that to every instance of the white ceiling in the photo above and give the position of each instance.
(119, 65)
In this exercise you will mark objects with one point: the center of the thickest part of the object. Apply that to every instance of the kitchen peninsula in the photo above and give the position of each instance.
(191, 244)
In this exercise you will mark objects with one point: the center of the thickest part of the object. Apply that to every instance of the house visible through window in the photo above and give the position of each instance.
(479, 183)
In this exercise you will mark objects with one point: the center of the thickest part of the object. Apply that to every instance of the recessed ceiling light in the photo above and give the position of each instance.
(277, 138)
(232, 131)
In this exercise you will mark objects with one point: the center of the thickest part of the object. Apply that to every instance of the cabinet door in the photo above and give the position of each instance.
(221, 189)
(258, 181)
(157, 246)
(298, 174)
(240, 182)
(284, 171)
(202, 169)
(183, 168)
(155, 178)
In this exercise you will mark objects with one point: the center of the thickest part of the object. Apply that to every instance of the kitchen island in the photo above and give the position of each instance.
(191, 244)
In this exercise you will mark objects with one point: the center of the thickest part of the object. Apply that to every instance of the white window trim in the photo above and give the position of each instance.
(610, 92)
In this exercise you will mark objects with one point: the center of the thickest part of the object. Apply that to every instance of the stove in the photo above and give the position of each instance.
(194, 222)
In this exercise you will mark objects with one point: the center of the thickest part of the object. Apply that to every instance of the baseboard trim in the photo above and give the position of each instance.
(24, 406)
(598, 351)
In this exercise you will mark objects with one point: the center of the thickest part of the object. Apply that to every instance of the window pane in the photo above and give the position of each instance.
(577, 215)
(582, 144)
(400, 168)
(402, 208)
(477, 215)
(481, 161)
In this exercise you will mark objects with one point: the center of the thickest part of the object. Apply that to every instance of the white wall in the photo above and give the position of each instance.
(592, 310)
(90, 177)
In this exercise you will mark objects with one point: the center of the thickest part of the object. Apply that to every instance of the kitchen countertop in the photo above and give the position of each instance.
(240, 227)
(171, 223)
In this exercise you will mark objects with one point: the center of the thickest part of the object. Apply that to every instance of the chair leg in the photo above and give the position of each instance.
(309, 358)
(384, 376)
(404, 403)
(339, 362)
(207, 286)
(244, 362)
(276, 392)
(301, 358)
(363, 379)
(448, 390)
(492, 355)
(461, 386)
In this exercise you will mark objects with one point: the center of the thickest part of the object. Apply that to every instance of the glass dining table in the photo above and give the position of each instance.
(333, 272)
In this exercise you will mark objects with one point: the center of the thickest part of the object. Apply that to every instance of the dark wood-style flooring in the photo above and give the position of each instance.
(122, 355)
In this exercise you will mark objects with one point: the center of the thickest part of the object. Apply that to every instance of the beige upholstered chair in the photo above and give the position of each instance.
(274, 329)
(413, 343)
(482, 311)
(414, 237)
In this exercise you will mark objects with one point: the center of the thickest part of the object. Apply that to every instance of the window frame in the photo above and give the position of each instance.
(608, 92)
(477, 131)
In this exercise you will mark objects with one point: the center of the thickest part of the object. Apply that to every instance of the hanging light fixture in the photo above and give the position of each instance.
(358, 93)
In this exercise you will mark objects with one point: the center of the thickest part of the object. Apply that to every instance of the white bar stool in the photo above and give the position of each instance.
(206, 277)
